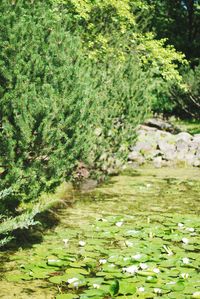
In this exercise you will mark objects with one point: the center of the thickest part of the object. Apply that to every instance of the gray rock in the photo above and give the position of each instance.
(134, 156)
(193, 147)
(145, 146)
(196, 136)
(190, 159)
(163, 148)
(184, 136)
(196, 163)
(197, 154)
(161, 125)
(182, 145)
(144, 128)
(170, 155)
(157, 162)
(155, 153)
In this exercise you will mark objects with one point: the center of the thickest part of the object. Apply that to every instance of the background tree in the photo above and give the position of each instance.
(177, 20)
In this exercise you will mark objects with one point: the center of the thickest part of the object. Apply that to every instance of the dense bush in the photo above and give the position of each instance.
(76, 78)
(57, 105)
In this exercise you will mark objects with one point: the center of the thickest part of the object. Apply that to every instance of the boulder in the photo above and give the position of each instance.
(182, 146)
(165, 146)
(184, 136)
(162, 125)
(156, 143)
(190, 159)
(170, 154)
(134, 156)
(158, 162)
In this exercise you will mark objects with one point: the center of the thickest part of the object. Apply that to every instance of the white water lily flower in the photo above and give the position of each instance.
(72, 280)
(171, 283)
(129, 243)
(143, 266)
(82, 243)
(196, 294)
(119, 224)
(186, 260)
(132, 269)
(168, 250)
(184, 275)
(141, 289)
(65, 241)
(157, 291)
(52, 261)
(96, 285)
(156, 270)
(112, 265)
(181, 225)
(185, 240)
(137, 256)
(125, 259)
(98, 131)
(190, 229)
(102, 261)
(76, 284)
(112, 256)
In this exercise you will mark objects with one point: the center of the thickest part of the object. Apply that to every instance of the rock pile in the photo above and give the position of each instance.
(163, 148)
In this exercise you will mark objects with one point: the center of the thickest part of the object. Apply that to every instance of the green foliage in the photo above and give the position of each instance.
(187, 98)
(76, 78)
(57, 105)
(116, 28)
(178, 21)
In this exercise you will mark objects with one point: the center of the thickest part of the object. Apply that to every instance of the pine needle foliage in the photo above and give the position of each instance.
(57, 105)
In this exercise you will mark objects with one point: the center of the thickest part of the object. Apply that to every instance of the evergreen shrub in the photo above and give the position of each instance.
(57, 105)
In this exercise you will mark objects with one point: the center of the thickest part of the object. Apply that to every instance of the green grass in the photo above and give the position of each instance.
(190, 126)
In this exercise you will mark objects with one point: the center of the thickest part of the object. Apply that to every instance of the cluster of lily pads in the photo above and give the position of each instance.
(123, 257)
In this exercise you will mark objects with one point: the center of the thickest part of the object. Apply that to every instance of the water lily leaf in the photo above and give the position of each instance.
(173, 273)
(116, 275)
(189, 247)
(96, 281)
(56, 262)
(179, 286)
(114, 288)
(95, 293)
(147, 273)
(175, 295)
(39, 275)
(74, 271)
(174, 286)
(67, 258)
(151, 279)
(77, 264)
(126, 288)
(66, 296)
(91, 263)
(56, 279)
(79, 283)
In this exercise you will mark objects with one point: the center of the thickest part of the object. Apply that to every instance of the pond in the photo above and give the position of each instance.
(137, 236)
